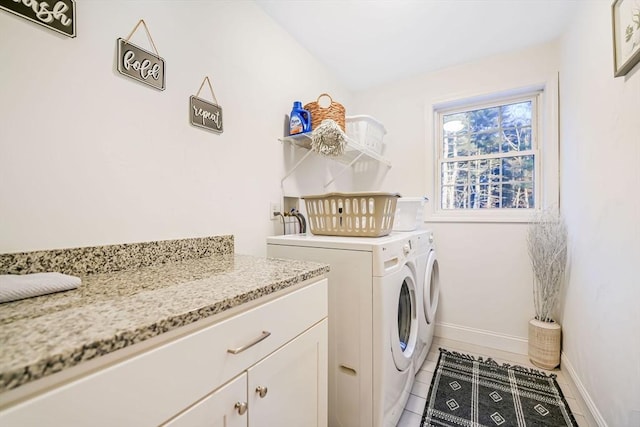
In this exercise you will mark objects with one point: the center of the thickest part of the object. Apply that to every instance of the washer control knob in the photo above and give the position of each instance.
(430, 237)
(406, 249)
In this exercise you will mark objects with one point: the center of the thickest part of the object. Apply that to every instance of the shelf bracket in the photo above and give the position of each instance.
(307, 154)
(304, 141)
(344, 169)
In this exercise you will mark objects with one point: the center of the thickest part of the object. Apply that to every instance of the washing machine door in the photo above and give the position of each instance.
(405, 331)
(431, 287)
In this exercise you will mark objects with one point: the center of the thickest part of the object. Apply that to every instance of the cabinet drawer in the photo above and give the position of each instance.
(151, 387)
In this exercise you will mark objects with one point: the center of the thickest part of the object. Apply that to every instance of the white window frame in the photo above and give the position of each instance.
(544, 148)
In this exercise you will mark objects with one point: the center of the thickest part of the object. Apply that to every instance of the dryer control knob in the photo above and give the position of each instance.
(406, 249)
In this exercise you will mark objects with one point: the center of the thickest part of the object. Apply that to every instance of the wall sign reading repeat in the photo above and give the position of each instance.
(205, 114)
(57, 15)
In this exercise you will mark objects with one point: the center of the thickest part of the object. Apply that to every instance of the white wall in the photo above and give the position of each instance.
(600, 134)
(479, 302)
(90, 157)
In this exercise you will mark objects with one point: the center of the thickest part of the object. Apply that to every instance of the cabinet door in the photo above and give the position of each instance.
(222, 408)
(289, 387)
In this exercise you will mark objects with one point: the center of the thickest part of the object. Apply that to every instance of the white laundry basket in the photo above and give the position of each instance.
(366, 131)
(409, 213)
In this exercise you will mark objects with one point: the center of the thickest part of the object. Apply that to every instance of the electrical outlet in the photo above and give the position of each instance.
(274, 210)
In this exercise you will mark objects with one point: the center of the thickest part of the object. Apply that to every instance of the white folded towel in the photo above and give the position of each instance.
(18, 286)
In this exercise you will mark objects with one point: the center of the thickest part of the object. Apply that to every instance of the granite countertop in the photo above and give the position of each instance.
(115, 309)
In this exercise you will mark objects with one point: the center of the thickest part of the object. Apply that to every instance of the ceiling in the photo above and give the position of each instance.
(370, 42)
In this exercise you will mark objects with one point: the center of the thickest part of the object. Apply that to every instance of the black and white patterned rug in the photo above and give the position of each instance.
(470, 391)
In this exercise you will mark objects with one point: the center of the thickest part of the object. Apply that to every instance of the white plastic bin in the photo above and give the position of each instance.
(366, 131)
(409, 213)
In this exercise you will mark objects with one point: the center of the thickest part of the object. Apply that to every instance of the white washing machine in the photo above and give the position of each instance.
(428, 294)
(374, 311)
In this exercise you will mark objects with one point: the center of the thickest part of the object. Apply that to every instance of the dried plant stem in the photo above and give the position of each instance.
(547, 245)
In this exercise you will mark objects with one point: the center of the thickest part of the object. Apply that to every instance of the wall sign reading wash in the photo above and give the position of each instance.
(140, 64)
(57, 15)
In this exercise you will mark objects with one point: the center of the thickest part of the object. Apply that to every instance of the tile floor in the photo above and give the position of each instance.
(415, 405)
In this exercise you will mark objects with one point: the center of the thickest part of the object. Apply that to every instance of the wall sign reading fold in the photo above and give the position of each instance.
(57, 15)
(141, 65)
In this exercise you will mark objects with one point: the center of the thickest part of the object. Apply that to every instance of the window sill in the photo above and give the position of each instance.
(490, 215)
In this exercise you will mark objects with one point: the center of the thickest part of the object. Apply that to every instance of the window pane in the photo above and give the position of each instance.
(459, 146)
(495, 170)
(454, 123)
(518, 196)
(461, 196)
(461, 172)
(448, 146)
(516, 139)
(485, 196)
(517, 169)
(516, 115)
(484, 119)
(448, 174)
(479, 171)
(455, 196)
(447, 197)
(488, 183)
(486, 143)
(456, 172)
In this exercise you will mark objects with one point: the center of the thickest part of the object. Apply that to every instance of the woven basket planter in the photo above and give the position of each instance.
(544, 344)
(335, 111)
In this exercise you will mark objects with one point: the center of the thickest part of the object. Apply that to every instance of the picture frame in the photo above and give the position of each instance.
(625, 16)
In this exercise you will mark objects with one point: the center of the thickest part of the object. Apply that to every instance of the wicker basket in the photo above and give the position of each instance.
(351, 214)
(544, 344)
(335, 111)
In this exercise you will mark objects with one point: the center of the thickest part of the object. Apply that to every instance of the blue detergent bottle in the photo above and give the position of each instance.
(300, 119)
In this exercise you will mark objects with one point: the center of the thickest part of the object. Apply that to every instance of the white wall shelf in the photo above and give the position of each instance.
(353, 152)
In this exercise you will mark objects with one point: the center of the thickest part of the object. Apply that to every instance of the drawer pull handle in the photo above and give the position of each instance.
(262, 391)
(241, 407)
(264, 335)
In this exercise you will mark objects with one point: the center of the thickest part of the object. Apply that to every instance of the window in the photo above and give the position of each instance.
(487, 157)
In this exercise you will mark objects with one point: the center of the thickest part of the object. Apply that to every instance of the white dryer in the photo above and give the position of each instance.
(428, 294)
(373, 321)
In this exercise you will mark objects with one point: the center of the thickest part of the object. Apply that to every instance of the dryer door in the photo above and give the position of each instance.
(405, 331)
(431, 290)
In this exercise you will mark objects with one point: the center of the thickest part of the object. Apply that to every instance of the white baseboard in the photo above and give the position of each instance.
(484, 338)
(593, 416)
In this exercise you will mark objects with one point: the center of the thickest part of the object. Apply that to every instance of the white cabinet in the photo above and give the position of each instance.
(287, 388)
(353, 153)
(281, 345)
